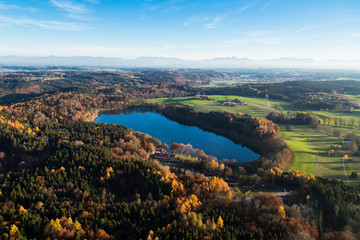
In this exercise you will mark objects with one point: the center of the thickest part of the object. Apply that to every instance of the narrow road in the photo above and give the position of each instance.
(347, 177)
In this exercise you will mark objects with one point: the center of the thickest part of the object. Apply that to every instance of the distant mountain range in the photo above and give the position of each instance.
(163, 62)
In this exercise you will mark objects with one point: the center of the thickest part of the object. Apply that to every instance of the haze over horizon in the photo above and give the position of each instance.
(190, 30)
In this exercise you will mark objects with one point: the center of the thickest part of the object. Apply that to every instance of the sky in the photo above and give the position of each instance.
(186, 29)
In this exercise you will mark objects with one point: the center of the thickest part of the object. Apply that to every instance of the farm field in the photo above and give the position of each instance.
(306, 143)
(257, 107)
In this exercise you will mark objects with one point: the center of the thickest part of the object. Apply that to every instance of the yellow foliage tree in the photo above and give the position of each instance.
(177, 187)
(13, 230)
(186, 204)
(217, 187)
(77, 225)
(281, 210)
(222, 167)
(70, 221)
(57, 225)
(22, 209)
(214, 165)
(220, 222)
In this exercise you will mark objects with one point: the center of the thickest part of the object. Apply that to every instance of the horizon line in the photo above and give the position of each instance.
(186, 59)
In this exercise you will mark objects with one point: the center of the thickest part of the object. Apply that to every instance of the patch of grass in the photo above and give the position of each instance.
(307, 144)
(354, 97)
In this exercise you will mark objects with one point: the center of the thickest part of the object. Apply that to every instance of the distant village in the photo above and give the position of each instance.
(229, 102)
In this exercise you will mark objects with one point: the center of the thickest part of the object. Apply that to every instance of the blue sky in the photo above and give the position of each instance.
(188, 29)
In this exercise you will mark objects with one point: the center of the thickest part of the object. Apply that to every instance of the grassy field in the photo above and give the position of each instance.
(307, 144)
(354, 97)
(256, 106)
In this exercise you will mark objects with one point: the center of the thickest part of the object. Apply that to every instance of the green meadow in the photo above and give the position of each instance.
(307, 144)
(256, 106)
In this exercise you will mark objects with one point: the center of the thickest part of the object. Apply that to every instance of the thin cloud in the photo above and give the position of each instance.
(228, 14)
(195, 20)
(266, 6)
(213, 24)
(92, 1)
(70, 7)
(243, 8)
(16, 7)
(43, 24)
(257, 34)
(175, 8)
(172, 5)
(306, 28)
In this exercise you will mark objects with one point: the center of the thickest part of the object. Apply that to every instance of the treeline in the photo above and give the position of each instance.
(300, 118)
(122, 86)
(294, 118)
(339, 121)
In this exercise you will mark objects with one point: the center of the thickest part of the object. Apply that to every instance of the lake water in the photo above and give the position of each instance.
(168, 131)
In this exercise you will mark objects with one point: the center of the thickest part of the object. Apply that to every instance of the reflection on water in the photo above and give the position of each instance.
(148, 121)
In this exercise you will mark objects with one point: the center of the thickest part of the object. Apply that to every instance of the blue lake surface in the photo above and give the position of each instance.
(168, 131)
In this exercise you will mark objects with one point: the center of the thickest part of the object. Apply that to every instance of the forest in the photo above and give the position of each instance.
(62, 176)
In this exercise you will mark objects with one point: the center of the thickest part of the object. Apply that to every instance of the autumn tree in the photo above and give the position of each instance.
(177, 147)
(220, 222)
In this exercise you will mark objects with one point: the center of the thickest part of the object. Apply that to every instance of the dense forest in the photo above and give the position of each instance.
(64, 177)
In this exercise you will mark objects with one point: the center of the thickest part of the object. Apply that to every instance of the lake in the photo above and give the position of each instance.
(168, 131)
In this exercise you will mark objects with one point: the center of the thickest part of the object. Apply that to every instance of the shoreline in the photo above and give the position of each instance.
(266, 147)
